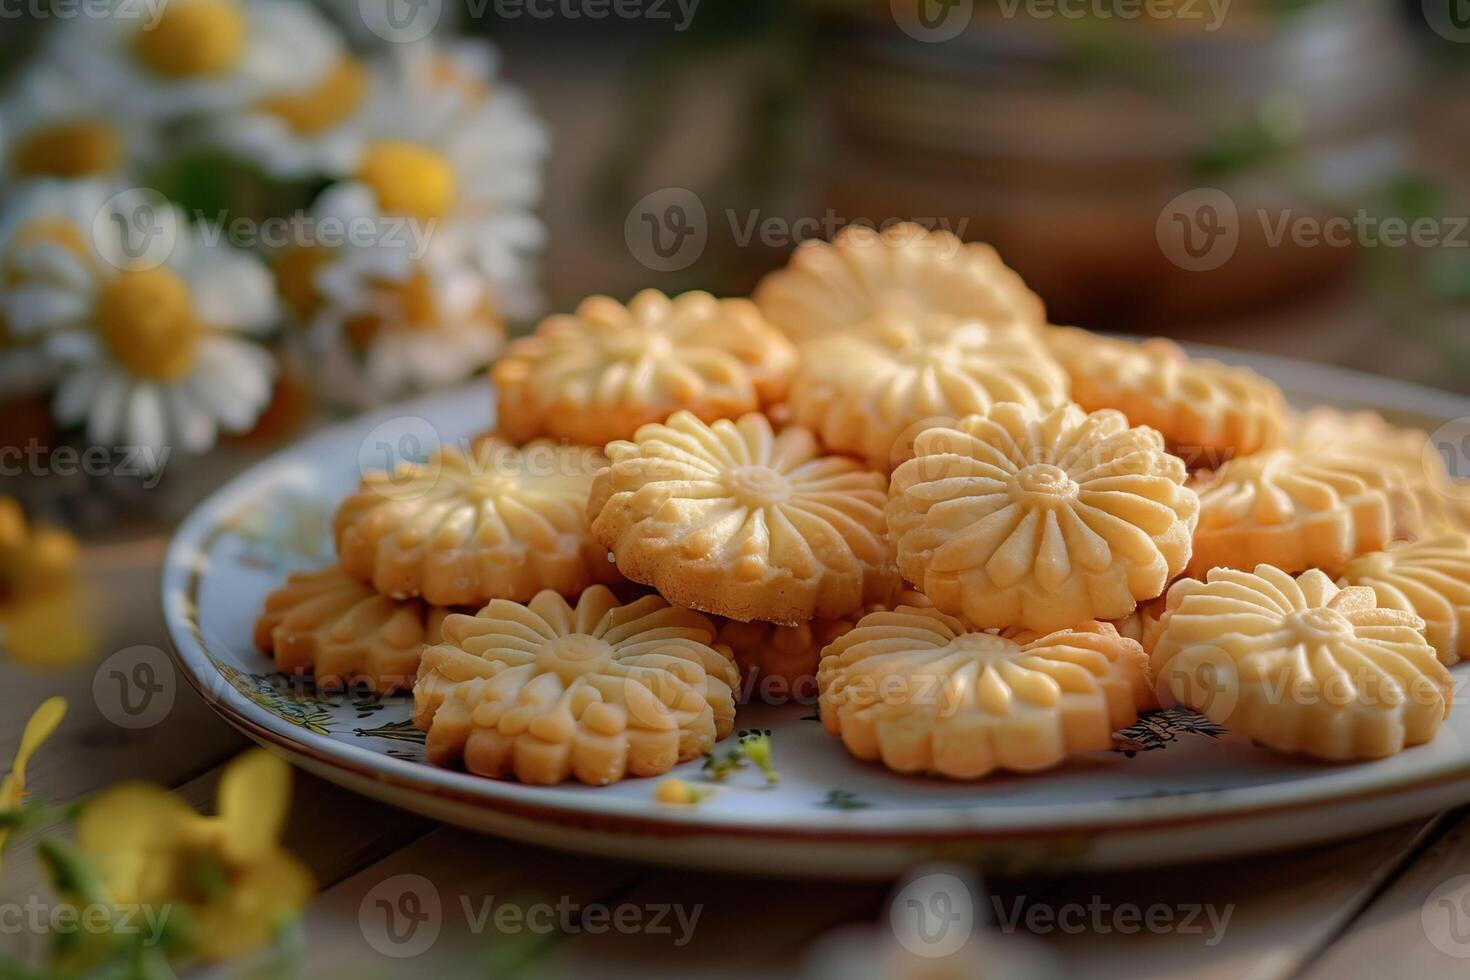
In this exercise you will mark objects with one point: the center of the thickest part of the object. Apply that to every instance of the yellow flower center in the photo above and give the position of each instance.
(147, 321)
(409, 179)
(757, 486)
(193, 39)
(82, 148)
(445, 73)
(332, 100)
(409, 303)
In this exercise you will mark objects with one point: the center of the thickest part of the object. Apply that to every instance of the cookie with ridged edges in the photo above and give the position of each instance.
(1408, 452)
(861, 392)
(1298, 511)
(922, 693)
(1040, 521)
(599, 374)
(328, 624)
(547, 691)
(493, 521)
(1207, 411)
(864, 276)
(1429, 578)
(733, 519)
(1301, 665)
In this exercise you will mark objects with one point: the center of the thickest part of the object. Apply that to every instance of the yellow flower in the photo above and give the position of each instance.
(226, 876)
(40, 727)
(43, 618)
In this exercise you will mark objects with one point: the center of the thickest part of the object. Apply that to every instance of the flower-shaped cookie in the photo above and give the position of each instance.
(1040, 521)
(918, 690)
(1407, 451)
(493, 522)
(1142, 625)
(733, 519)
(1207, 411)
(861, 392)
(1300, 665)
(905, 269)
(546, 692)
(1297, 511)
(600, 374)
(328, 624)
(1430, 579)
(779, 663)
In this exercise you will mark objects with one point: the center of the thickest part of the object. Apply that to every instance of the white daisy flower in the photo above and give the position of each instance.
(385, 327)
(149, 355)
(442, 143)
(301, 132)
(52, 126)
(185, 57)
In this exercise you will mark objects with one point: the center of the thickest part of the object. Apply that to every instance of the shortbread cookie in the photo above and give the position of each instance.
(465, 527)
(1040, 521)
(1207, 411)
(861, 392)
(1297, 511)
(866, 275)
(1430, 579)
(1406, 451)
(734, 520)
(598, 375)
(546, 692)
(779, 663)
(1143, 624)
(1300, 665)
(330, 625)
(921, 692)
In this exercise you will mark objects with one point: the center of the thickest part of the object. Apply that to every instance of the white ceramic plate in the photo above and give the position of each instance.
(1175, 789)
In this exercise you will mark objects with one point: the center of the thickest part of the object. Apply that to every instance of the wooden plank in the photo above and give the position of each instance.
(1260, 918)
(1419, 925)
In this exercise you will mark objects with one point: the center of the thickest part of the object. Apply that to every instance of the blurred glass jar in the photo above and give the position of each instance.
(1065, 133)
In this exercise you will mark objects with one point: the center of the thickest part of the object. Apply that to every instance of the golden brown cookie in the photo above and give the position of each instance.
(328, 624)
(1300, 665)
(861, 392)
(465, 527)
(1207, 411)
(1297, 511)
(923, 693)
(735, 520)
(546, 692)
(1430, 579)
(1014, 519)
(905, 270)
(598, 375)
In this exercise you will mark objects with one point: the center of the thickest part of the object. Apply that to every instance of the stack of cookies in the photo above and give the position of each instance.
(984, 543)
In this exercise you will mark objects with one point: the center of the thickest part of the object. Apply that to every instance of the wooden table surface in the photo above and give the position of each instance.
(1361, 908)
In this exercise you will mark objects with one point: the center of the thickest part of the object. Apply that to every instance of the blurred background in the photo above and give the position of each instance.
(691, 144)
